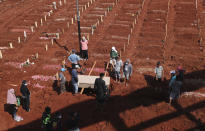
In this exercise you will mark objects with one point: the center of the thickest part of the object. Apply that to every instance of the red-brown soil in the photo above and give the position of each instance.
(170, 31)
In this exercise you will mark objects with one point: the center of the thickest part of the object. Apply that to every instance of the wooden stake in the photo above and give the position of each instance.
(133, 25)
(64, 1)
(41, 22)
(49, 14)
(60, 3)
(124, 47)
(131, 30)
(63, 31)
(135, 21)
(82, 9)
(128, 39)
(98, 23)
(92, 31)
(19, 39)
(71, 20)
(68, 24)
(91, 1)
(79, 13)
(54, 5)
(1, 56)
(36, 55)
(11, 45)
(85, 7)
(105, 13)
(36, 24)
(46, 47)
(101, 18)
(32, 29)
(75, 17)
(45, 17)
(88, 37)
(51, 41)
(88, 4)
(24, 34)
(92, 68)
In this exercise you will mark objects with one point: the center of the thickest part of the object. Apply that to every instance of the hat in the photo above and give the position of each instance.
(172, 72)
(63, 69)
(48, 109)
(83, 38)
(128, 61)
(73, 51)
(179, 68)
(102, 74)
(24, 82)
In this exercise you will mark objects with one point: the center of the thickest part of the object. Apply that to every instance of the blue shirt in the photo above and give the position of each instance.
(74, 76)
(172, 81)
(73, 58)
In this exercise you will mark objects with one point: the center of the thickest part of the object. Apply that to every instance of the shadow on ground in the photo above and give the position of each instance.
(117, 104)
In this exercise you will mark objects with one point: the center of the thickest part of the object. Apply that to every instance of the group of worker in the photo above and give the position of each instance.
(175, 83)
(120, 69)
(117, 68)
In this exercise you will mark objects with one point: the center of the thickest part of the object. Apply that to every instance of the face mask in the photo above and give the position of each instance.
(25, 84)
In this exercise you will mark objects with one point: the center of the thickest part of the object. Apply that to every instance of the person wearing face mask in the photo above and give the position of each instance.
(25, 95)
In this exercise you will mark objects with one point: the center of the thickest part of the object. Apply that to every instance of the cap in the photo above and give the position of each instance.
(73, 51)
(63, 69)
(172, 72)
(179, 68)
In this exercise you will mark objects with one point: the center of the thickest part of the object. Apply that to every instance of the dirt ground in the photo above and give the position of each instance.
(145, 31)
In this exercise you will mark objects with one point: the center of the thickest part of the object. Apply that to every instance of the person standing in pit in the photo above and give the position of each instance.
(181, 73)
(25, 95)
(74, 79)
(62, 80)
(100, 89)
(175, 85)
(127, 71)
(57, 122)
(113, 56)
(74, 59)
(159, 72)
(118, 67)
(72, 123)
(84, 47)
(46, 119)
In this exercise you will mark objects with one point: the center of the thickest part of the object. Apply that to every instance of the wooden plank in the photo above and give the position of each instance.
(86, 81)
(81, 92)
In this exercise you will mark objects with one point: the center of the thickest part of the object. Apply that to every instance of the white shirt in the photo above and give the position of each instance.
(118, 65)
(159, 71)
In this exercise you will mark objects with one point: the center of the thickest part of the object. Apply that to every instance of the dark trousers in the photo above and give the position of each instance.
(85, 54)
(62, 87)
(26, 102)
